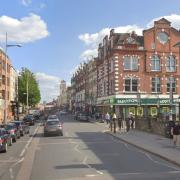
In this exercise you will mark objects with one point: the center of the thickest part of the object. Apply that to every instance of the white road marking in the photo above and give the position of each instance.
(99, 172)
(11, 173)
(91, 175)
(174, 172)
(28, 143)
(160, 163)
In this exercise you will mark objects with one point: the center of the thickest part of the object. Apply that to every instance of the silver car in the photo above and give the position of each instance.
(53, 126)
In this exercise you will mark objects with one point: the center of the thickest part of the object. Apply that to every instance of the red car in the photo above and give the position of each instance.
(5, 140)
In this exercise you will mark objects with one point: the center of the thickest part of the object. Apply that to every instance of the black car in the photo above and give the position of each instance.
(24, 128)
(5, 140)
(168, 126)
(13, 131)
(29, 119)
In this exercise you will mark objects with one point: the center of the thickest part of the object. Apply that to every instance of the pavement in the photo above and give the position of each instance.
(152, 143)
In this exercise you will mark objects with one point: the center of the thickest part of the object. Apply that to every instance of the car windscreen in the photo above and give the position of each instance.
(51, 123)
(9, 127)
(17, 123)
(52, 117)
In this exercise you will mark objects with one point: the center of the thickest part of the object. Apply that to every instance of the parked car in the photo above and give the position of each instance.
(83, 117)
(168, 126)
(52, 116)
(76, 115)
(62, 112)
(29, 119)
(5, 140)
(24, 128)
(13, 131)
(53, 126)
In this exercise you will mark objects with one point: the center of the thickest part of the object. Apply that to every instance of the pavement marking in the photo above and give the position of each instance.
(27, 165)
(157, 162)
(76, 148)
(11, 173)
(173, 172)
(91, 175)
(44, 144)
(7, 161)
(17, 162)
(28, 143)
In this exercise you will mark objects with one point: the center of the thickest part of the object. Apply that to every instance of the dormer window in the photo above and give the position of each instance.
(129, 40)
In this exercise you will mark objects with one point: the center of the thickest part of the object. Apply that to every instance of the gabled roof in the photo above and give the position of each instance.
(162, 21)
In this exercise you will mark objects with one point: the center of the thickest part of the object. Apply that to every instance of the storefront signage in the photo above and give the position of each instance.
(149, 101)
(134, 101)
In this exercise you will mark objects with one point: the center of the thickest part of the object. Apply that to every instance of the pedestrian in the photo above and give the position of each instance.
(114, 119)
(119, 119)
(128, 122)
(107, 118)
(132, 121)
(175, 131)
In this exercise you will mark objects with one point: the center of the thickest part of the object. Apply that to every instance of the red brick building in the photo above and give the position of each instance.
(139, 73)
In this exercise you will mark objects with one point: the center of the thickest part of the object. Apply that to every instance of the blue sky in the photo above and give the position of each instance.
(59, 34)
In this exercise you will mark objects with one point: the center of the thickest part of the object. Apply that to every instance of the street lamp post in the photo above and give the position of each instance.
(5, 102)
(178, 45)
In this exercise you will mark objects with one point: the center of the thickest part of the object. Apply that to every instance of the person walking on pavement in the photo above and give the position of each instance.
(114, 118)
(175, 131)
(132, 121)
(107, 118)
(119, 119)
(128, 122)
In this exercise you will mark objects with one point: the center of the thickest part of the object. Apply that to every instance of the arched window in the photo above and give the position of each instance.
(170, 64)
(155, 62)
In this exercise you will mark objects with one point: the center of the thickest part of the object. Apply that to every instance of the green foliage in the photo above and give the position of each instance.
(28, 80)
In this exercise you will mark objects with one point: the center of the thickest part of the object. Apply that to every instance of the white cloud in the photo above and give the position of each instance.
(49, 86)
(91, 41)
(173, 18)
(26, 2)
(88, 54)
(26, 29)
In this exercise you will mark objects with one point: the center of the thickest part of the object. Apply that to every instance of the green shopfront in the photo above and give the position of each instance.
(142, 108)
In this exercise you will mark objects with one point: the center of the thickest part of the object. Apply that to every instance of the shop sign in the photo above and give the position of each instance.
(130, 101)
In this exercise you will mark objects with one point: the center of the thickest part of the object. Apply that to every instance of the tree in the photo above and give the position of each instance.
(27, 80)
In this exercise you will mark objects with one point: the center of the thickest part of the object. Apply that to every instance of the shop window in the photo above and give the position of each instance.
(170, 64)
(139, 111)
(156, 84)
(154, 111)
(165, 110)
(155, 63)
(171, 82)
(131, 63)
(132, 110)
